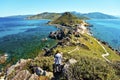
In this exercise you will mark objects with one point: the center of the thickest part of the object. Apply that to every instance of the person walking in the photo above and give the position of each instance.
(57, 61)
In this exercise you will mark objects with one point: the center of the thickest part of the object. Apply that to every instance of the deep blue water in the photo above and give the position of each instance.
(107, 30)
(10, 26)
(21, 38)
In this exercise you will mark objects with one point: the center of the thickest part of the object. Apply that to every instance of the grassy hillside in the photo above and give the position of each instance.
(67, 19)
(45, 15)
(85, 49)
(88, 47)
(90, 63)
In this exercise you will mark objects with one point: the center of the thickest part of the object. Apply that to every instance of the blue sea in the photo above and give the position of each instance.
(21, 38)
(107, 30)
(9, 26)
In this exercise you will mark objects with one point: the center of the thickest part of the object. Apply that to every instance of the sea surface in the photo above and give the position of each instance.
(21, 38)
(107, 30)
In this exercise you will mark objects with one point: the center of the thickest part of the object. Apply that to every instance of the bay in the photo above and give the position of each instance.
(21, 38)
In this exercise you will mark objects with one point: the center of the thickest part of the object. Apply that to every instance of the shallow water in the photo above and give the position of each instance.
(21, 38)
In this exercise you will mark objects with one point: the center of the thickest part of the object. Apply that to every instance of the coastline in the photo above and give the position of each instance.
(89, 33)
(60, 26)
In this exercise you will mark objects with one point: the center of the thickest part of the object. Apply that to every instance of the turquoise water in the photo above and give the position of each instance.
(21, 38)
(107, 30)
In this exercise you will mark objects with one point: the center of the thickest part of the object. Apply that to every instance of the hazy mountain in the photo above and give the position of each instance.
(45, 15)
(95, 15)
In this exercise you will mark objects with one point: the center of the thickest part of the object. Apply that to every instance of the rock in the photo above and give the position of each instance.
(66, 66)
(34, 77)
(10, 70)
(2, 78)
(18, 66)
(22, 75)
(59, 35)
(39, 71)
(3, 58)
(72, 61)
(49, 74)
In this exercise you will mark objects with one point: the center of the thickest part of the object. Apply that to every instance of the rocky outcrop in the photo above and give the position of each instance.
(18, 66)
(17, 72)
(22, 75)
(59, 35)
(49, 74)
(66, 66)
(70, 62)
(3, 58)
(34, 77)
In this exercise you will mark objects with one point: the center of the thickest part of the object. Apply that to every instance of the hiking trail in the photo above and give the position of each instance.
(103, 55)
(73, 50)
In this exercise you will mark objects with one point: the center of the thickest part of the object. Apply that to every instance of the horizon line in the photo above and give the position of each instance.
(55, 12)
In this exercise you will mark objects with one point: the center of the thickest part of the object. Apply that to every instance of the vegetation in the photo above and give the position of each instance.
(67, 19)
(46, 63)
(1, 52)
(93, 50)
(91, 69)
(53, 16)
(45, 15)
(83, 48)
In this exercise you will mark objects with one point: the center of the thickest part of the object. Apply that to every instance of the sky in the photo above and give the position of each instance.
(24, 7)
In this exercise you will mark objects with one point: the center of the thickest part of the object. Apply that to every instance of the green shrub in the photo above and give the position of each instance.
(46, 63)
(91, 69)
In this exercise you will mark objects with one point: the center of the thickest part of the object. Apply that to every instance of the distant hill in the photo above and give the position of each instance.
(45, 15)
(95, 15)
(52, 16)
(17, 16)
(80, 15)
(67, 19)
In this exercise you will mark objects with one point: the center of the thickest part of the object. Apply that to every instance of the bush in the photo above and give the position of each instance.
(116, 66)
(91, 69)
(46, 63)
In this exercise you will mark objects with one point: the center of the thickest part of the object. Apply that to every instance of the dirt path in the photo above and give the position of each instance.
(73, 50)
(104, 55)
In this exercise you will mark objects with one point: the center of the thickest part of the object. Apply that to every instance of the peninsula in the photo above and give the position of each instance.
(84, 57)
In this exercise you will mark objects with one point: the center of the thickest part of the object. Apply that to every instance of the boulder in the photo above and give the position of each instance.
(39, 71)
(49, 74)
(3, 58)
(18, 66)
(34, 77)
(71, 61)
(22, 75)
(66, 66)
